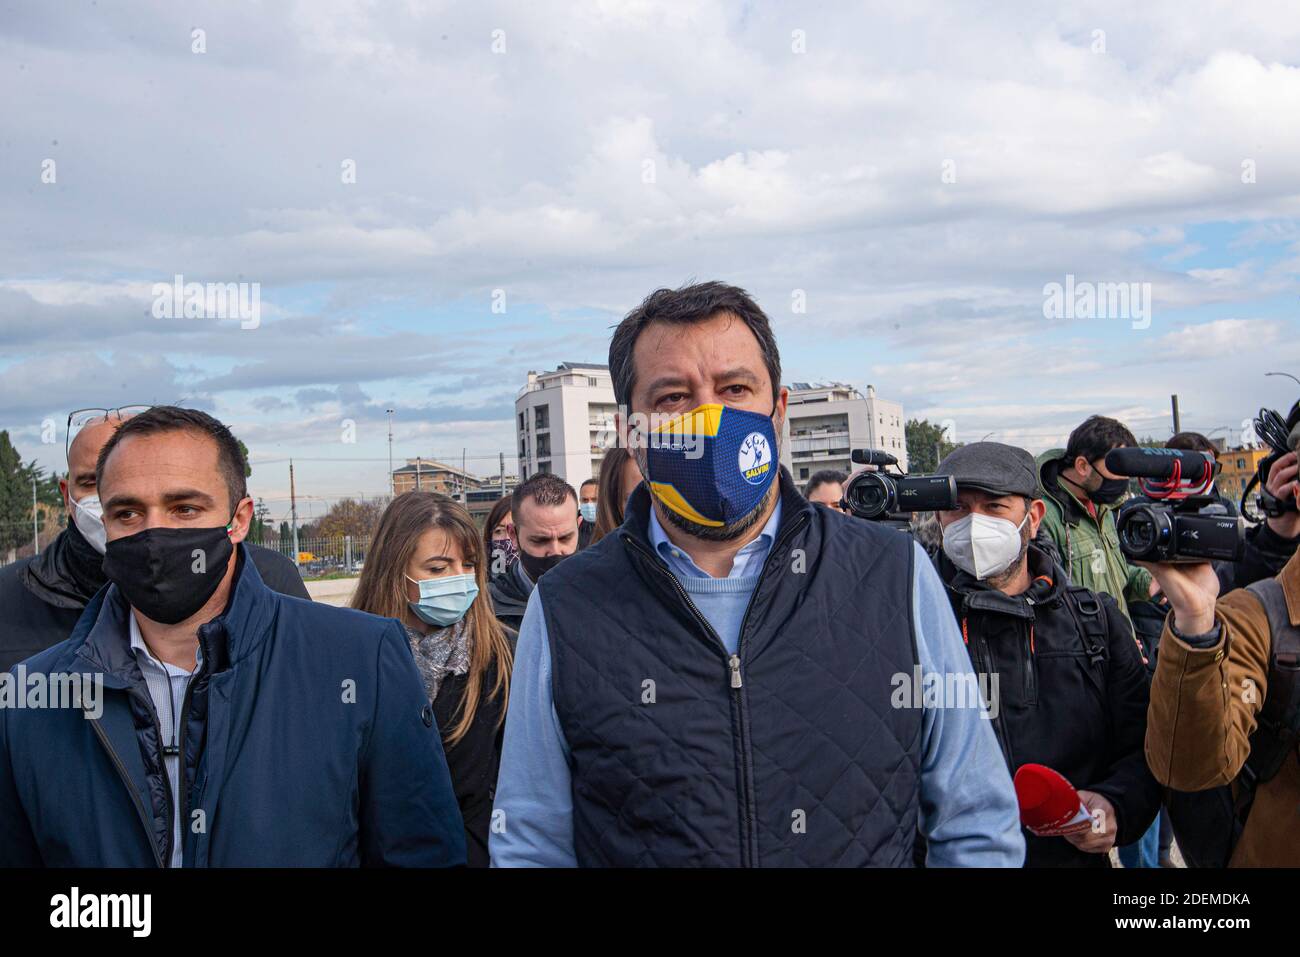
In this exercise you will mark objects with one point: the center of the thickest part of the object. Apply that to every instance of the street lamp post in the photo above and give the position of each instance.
(391, 487)
(1287, 374)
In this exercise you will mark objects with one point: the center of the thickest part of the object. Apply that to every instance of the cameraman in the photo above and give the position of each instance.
(1082, 495)
(1271, 543)
(1223, 712)
(1071, 688)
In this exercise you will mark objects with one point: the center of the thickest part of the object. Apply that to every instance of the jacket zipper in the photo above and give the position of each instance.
(180, 767)
(130, 789)
(1031, 696)
(167, 779)
(987, 655)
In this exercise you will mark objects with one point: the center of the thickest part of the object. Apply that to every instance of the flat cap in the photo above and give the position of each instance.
(992, 467)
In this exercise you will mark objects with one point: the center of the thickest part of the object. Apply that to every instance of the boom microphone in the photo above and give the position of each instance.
(1189, 466)
(872, 457)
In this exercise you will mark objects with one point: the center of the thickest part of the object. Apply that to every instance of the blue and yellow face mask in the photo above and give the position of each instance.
(712, 465)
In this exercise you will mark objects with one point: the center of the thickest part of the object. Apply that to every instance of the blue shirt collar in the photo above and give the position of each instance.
(747, 564)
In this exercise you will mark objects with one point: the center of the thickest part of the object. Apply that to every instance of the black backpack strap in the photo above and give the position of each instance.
(1278, 724)
(1092, 619)
(1085, 605)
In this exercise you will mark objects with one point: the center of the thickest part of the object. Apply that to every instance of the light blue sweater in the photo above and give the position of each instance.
(968, 809)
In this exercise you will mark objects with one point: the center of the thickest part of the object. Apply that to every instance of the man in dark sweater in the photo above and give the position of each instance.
(43, 596)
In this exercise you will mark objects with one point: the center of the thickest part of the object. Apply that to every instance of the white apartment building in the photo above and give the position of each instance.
(565, 421)
(826, 420)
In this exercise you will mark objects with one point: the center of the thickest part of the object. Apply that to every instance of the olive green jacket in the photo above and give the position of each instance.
(1088, 546)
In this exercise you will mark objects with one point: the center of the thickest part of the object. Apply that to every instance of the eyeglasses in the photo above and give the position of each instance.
(81, 418)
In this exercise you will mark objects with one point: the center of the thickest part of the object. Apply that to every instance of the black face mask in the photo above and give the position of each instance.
(169, 573)
(535, 567)
(1109, 491)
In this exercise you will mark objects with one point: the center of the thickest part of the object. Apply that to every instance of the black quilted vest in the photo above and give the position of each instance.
(804, 763)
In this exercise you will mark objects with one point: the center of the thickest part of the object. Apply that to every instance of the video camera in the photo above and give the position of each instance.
(891, 497)
(1165, 524)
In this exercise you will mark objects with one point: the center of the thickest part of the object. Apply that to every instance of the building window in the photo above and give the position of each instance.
(592, 382)
(544, 446)
(803, 474)
(523, 422)
(1241, 463)
(542, 417)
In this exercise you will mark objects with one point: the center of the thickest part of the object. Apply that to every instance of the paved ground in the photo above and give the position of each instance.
(335, 591)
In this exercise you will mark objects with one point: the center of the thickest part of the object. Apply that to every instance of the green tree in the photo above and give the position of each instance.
(925, 439)
(257, 530)
(16, 497)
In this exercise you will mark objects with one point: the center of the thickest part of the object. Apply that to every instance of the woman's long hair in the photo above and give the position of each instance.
(382, 589)
(609, 494)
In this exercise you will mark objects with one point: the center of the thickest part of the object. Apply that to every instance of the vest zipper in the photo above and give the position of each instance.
(733, 665)
(733, 671)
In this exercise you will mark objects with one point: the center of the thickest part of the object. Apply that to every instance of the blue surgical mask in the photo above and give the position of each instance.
(712, 465)
(588, 511)
(444, 601)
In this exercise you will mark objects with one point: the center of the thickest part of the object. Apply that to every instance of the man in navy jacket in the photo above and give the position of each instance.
(212, 721)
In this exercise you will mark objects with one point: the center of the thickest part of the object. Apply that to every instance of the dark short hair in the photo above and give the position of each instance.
(590, 481)
(544, 488)
(1097, 436)
(1193, 442)
(691, 304)
(824, 477)
(170, 418)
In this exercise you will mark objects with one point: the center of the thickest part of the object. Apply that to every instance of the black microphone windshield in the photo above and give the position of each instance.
(1159, 463)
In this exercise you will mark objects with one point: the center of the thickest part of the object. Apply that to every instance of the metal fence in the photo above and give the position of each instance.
(341, 557)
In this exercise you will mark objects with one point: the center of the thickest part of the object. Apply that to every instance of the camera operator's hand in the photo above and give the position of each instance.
(1282, 484)
(1191, 589)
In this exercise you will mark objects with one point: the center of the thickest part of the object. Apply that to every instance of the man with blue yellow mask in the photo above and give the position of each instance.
(712, 684)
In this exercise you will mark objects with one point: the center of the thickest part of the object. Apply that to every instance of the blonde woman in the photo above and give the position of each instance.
(426, 568)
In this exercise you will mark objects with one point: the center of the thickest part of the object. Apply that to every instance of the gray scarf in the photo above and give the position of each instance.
(440, 653)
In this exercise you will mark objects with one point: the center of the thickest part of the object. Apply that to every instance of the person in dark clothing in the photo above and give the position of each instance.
(587, 511)
(546, 531)
(509, 591)
(1196, 442)
(426, 567)
(307, 725)
(44, 595)
(1271, 543)
(1071, 690)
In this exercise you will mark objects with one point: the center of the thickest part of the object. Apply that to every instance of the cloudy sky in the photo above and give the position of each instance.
(895, 183)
